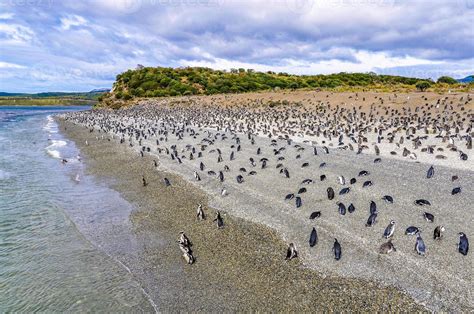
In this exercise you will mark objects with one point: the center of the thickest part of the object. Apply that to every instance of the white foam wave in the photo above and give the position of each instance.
(54, 153)
(50, 126)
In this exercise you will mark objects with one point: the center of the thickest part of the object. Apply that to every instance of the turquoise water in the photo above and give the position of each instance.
(56, 239)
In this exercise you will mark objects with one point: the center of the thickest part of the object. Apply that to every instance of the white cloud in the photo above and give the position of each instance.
(6, 16)
(7, 65)
(15, 34)
(72, 21)
(366, 62)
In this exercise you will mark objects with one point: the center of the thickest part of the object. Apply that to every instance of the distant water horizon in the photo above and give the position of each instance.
(48, 261)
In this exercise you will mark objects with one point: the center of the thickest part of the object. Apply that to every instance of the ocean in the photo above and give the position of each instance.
(53, 218)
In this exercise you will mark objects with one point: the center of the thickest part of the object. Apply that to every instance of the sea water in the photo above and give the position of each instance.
(52, 218)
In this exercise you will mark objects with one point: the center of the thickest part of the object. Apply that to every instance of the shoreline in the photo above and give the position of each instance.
(240, 267)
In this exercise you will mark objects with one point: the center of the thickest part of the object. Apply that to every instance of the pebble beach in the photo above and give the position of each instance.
(242, 266)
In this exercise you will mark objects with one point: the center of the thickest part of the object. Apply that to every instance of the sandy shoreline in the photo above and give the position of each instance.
(240, 267)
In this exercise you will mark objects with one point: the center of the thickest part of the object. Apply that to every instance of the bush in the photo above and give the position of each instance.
(447, 80)
(422, 85)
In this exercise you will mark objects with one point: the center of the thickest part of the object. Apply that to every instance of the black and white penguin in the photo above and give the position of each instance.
(428, 217)
(337, 250)
(420, 247)
(430, 173)
(200, 213)
(291, 252)
(314, 215)
(313, 238)
(330, 193)
(388, 233)
(463, 245)
(218, 219)
(438, 233)
(412, 230)
(388, 199)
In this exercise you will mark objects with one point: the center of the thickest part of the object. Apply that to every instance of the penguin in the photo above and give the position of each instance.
(314, 215)
(196, 176)
(387, 247)
(240, 179)
(330, 193)
(388, 233)
(167, 182)
(224, 192)
(189, 258)
(183, 239)
(341, 208)
(337, 250)
(412, 230)
(420, 247)
(367, 184)
(438, 233)
(313, 238)
(371, 220)
(342, 180)
(430, 173)
(422, 202)
(298, 202)
(144, 181)
(428, 217)
(344, 191)
(289, 197)
(351, 208)
(218, 220)
(291, 252)
(221, 176)
(200, 213)
(373, 207)
(353, 181)
(456, 190)
(302, 190)
(463, 245)
(388, 199)
(363, 173)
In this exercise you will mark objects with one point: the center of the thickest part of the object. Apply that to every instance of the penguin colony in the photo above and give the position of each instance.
(293, 130)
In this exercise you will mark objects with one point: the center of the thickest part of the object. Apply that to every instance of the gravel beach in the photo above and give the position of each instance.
(245, 260)
(238, 268)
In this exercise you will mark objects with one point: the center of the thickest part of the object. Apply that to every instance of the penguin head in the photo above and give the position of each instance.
(392, 222)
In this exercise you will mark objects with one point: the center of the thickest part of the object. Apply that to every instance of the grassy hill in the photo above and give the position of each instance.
(50, 98)
(161, 81)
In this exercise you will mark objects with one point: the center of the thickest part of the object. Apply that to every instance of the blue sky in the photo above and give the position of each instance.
(63, 45)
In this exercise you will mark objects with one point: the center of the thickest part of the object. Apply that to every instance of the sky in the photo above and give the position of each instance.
(64, 45)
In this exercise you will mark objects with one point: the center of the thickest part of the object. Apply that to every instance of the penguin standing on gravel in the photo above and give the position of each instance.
(463, 245)
(420, 247)
(291, 252)
(200, 213)
(388, 233)
(337, 250)
(313, 238)
(219, 220)
(438, 233)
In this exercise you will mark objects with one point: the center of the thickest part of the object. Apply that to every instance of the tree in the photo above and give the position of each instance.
(422, 85)
(447, 80)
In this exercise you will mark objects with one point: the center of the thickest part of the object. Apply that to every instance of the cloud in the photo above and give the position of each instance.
(72, 21)
(80, 44)
(7, 65)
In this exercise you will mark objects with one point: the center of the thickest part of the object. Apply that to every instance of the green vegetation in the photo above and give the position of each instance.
(49, 101)
(422, 85)
(447, 80)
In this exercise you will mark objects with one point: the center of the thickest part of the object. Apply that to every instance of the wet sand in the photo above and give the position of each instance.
(238, 268)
